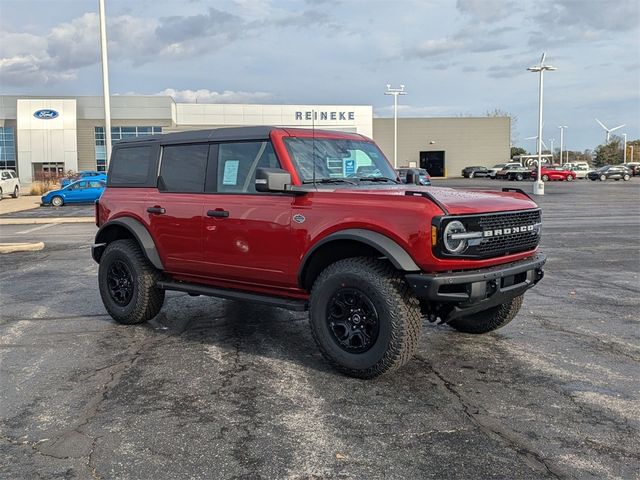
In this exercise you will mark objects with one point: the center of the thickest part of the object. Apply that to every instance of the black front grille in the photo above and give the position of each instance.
(511, 243)
(500, 243)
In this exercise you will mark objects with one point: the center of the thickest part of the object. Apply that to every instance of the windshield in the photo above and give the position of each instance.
(338, 158)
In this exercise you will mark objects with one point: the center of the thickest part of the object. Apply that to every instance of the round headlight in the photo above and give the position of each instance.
(454, 245)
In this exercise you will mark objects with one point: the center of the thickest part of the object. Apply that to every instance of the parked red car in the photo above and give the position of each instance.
(554, 172)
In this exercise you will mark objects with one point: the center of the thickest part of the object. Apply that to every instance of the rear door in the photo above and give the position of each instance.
(246, 234)
(175, 208)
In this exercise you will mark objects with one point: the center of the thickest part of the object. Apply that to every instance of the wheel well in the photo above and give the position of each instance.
(113, 233)
(331, 252)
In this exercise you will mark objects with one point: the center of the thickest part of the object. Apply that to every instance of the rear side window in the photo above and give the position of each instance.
(183, 168)
(133, 167)
(238, 162)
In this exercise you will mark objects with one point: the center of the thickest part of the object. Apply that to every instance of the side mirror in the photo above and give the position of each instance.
(272, 180)
(413, 177)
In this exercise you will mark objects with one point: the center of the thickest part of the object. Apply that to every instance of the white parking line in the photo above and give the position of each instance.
(39, 227)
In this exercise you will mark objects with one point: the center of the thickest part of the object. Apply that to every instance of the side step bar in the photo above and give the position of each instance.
(194, 289)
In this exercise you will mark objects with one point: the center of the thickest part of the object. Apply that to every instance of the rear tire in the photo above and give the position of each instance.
(489, 320)
(626, 178)
(545, 178)
(603, 178)
(127, 283)
(16, 192)
(519, 177)
(364, 317)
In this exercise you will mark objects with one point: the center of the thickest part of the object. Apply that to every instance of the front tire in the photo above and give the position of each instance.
(626, 178)
(364, 317)
(519, 177)
(57, 201)
(489, 320)
(127, 283)
(603, 178)
(569, 178)
(16, 192)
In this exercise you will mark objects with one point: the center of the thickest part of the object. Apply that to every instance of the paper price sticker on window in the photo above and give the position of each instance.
(230, 176)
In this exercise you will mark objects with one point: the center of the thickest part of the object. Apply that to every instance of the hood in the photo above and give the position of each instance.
(457, 201)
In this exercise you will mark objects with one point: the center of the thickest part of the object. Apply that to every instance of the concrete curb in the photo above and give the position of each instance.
(21, 247)
(40, 220)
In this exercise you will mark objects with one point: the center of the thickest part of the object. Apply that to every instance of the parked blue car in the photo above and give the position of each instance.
(80, 191)
(84, 175)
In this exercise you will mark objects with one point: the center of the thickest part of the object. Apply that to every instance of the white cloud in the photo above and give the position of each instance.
(209, 96)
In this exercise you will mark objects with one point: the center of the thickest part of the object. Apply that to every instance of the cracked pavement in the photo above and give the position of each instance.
(222, 389)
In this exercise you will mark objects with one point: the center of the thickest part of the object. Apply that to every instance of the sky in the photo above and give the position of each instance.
(455, 57)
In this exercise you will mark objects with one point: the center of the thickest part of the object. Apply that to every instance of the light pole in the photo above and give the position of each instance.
(551, 140)
(561, 127)
(105, 83)
(395, 92)
(624, 155)
(538, 188)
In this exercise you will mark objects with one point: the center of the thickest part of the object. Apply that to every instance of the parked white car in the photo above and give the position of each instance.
(9, 184)
(581, 168)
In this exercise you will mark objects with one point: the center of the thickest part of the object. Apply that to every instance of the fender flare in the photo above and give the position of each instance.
(397, 255)
(139, 232)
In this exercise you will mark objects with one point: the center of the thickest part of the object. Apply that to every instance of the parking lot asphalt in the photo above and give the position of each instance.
(221, 389)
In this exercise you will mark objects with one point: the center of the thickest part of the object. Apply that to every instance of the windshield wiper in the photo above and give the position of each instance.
(330, 180)
(377, 179)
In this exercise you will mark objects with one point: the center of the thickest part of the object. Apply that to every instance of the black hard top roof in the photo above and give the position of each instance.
(210, 135)
(226, 134)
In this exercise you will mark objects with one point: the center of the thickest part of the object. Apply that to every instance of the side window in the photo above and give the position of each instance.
(95, 184)
(238, 162)
(5, 176)
(132, 167)
(183, 168)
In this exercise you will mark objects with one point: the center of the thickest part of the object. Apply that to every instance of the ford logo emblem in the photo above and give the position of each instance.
(45, 114)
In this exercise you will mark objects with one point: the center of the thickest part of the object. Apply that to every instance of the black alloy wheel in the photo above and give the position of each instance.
(353, 320)
(120, 283)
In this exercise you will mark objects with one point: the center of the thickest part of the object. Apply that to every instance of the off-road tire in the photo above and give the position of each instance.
(488, 320)
(54, 201)
(397, 309)
(16, 192)
(147, 299)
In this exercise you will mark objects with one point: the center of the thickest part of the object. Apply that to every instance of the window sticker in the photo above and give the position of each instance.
(230, 176)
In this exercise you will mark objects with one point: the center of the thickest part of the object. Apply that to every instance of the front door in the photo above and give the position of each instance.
(246, 234)
(433, 162)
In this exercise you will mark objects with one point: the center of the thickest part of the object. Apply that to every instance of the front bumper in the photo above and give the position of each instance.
(473, 291)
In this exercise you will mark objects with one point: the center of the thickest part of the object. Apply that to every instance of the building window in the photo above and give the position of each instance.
(7, 149)
(117, 134)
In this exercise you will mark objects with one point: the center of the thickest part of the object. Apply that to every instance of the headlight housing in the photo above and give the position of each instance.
(451, 237)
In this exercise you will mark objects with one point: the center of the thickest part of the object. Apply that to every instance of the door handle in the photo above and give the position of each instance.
(219, 213)
(158, 210)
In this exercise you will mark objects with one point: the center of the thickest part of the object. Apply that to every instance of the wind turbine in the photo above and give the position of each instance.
(609, 130)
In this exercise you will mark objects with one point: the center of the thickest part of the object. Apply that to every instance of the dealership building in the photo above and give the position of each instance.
(44, 135)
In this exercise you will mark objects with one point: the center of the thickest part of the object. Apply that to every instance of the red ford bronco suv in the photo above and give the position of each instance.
(311, 220)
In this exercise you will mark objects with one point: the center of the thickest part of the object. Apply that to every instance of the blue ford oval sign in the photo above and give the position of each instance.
(45, 114)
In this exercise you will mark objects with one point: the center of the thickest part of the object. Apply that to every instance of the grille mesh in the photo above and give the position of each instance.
(504, 244)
